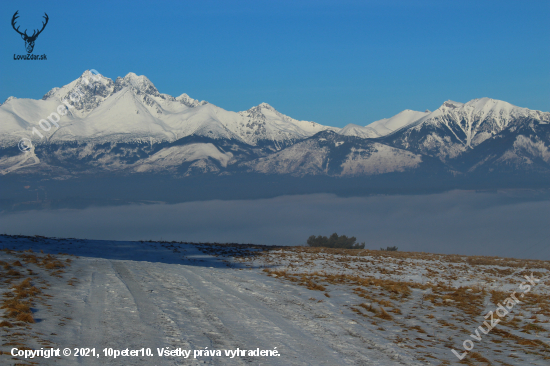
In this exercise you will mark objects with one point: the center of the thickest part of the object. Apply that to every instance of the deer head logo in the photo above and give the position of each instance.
(29, 40)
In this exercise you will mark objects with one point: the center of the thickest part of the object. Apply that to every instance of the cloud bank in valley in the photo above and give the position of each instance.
(454, 222)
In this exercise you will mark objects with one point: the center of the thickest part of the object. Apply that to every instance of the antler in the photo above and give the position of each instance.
(15, 16)
(43, 26)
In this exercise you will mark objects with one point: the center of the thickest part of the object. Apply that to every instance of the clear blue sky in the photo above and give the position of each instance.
(333, 62)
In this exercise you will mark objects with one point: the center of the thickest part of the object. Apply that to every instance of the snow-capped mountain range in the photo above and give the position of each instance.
(127, 126)
(131, 109)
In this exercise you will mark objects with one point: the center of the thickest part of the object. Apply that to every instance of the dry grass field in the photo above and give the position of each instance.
(25, 277)
(429, 303)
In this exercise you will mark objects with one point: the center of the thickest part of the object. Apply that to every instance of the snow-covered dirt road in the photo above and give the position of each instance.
(286, 305)
(132, 295)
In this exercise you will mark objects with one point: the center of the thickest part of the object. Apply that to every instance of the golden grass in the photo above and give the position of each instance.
(534, 327)
(13, 272)
(5, 323)
(380, 278)
(29, 258)
(30, 292)
(17, 303)
(25, 317)
(479, 358)
(535, 343)
(15, 307)
(24, 284)
(449, 258)
(369, 307)
(382, 314)
(18, 310)
(471, 302)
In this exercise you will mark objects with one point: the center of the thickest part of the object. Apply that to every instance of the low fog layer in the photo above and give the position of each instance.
(500, 224)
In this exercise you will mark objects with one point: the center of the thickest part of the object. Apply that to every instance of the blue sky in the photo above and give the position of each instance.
(333, 62)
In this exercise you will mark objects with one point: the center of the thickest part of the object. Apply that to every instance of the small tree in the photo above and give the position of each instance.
(334, 241)
(390, 249)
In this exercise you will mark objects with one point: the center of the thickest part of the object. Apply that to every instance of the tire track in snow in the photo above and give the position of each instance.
(92, 330)
(216, 309)
(117, 315)
(134, 304)
(253, 321)
(303, 325)
(192, 313)
(160, 329)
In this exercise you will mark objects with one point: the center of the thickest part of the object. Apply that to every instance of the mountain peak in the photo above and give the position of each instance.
(402, 119)
(484, 103)
(452, 104)
(266, 106)
(190, 102)
(352, 129)
(140, 82)
(484, 106)
(88, 74)
(257, 110)
(9, 98)
(134, 77)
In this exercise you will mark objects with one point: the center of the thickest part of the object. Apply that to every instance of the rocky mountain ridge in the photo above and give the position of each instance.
(127, 126)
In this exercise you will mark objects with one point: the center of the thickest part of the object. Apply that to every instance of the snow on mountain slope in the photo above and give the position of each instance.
(454, 127)
(188, 101)
(523, 148)
(18, 116)
(329, 153)
(84, 94)
(264, 122)
(9, 164)
(479, 119)
(402, 119)
(384, 126)
(132, 109)
(122, 117)
(378, 160)
(304, 158)
(176, 156)
(359, 131)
